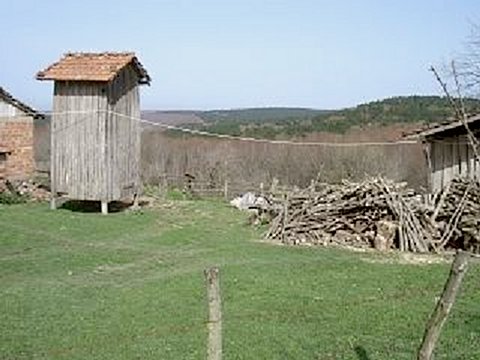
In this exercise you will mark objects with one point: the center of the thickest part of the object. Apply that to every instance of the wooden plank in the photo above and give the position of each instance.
(471, 161)
(437, 163)
(447, 162)
(463, 157)
(214, 324)
(101, 170)
(127, 133)
(455, 157)
(104, 207)
(444, 306)
(477, 168)
(53, 148)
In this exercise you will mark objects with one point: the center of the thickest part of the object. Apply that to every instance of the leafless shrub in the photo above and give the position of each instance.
(216, 160)
(245, 165)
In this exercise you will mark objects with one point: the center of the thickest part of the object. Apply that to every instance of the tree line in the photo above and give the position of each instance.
(294, 122)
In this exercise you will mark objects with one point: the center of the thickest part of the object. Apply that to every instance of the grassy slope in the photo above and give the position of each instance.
(130, 286)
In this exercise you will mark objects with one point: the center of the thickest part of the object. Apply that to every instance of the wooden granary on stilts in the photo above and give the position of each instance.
(95, 129)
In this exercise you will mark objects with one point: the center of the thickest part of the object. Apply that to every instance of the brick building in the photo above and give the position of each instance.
(16, 137)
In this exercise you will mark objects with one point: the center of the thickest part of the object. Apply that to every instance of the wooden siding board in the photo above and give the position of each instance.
(463, 157)
(455, 157)
(475, 165)
(437, 163)
(433, 173)
(451, 156)
(53, 149)
(125, 132)
(447, 162)
(471, 162)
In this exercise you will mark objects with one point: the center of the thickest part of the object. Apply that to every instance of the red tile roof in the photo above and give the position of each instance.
(93, 67)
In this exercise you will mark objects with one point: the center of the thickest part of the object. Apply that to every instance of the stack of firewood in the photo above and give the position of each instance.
(457, 215)
(376, 213)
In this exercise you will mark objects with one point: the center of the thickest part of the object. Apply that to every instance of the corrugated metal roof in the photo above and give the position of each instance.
(93, 67)
(8, 98)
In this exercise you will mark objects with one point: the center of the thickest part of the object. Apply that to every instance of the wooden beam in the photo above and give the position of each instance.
(214, 347)
(444, 305)
(104, 205)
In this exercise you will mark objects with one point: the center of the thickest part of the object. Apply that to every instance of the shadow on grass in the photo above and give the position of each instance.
(361, 353)
(86, 206)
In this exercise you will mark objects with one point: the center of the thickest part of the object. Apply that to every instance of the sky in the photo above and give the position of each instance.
(221, 54)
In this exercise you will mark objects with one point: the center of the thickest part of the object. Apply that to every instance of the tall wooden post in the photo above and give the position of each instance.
(225, 189)
(214, 324)
(285, 218)
(53, 201)
(53, 180)
(164, 186)
(136, 204)
(444, 305)
(104, 205)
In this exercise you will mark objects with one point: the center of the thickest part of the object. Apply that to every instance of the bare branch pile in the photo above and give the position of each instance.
(24, 189)
(377, 213)
(457, 215)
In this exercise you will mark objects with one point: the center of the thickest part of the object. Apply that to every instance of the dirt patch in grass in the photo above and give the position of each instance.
(408, 258)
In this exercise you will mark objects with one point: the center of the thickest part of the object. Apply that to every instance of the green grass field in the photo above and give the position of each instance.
(130, 286)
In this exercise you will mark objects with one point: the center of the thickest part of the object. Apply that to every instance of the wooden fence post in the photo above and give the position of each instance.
(444, 305)
(273, 188)
(285, 217)
(164, 186)
(214, 324)
(225, 189)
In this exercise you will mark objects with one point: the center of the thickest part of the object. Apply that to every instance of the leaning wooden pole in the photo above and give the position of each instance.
(444, 305)
(214, 347)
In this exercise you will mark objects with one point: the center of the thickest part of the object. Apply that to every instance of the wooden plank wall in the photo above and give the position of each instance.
(95, 154)
(78, 140)
(123, 135)
(451, 157)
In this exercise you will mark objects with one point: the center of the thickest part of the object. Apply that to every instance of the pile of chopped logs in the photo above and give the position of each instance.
(377, 213)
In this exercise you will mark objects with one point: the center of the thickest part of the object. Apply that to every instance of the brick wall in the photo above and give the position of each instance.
(16, 135)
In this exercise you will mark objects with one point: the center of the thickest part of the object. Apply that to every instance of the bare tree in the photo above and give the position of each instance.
(458, 107)
(469, 64)
(465, 76)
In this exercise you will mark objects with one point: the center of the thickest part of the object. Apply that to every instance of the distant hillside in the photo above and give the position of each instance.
(240, 116)
(172, 117)
(260, 115)
(294, 122)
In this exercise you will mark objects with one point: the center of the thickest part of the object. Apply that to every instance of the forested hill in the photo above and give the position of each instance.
(274, 122)
(260, 115)
(277, 122)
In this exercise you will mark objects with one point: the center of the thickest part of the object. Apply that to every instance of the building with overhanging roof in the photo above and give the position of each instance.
(17, 158)
(449, 151)
(95, 129)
